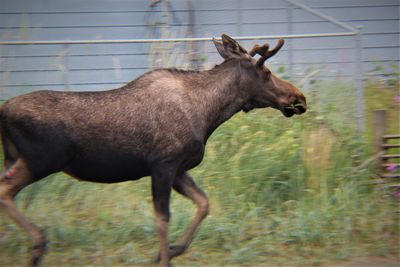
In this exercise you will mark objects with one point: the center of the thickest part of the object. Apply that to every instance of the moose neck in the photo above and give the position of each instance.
(219, 95)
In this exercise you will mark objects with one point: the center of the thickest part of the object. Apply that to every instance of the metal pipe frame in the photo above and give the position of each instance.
(169, 40)
(357, 33)
(323, 16)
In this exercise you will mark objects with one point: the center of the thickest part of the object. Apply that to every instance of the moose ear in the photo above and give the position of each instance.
(220, 48)
(232, 47)
(229, 48)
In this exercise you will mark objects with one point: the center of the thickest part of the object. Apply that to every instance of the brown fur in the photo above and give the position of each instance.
(157, 125)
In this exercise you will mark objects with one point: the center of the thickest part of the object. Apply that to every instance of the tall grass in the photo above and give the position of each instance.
(281, 190)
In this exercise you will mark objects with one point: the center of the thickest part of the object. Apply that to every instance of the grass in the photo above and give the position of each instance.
(280, 192)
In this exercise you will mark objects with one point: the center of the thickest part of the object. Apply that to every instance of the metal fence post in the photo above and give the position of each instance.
(289, 44)
(360, 81)
(65, 64)
(239, 18)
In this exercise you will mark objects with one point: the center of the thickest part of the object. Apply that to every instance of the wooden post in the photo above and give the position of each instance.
(379, 125)
(379, 128)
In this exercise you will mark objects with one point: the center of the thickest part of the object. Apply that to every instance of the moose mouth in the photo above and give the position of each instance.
(289, 111)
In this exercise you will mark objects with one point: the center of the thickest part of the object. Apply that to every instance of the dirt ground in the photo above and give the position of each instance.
(369, 262)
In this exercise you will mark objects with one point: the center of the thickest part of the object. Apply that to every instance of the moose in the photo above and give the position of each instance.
(156, 125)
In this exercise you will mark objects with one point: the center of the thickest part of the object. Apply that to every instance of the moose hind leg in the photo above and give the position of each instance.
(14, 179)
(187, 187)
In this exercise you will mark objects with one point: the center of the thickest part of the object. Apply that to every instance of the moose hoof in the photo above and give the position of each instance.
(173, 251)
(38, 251)
(159, 259)
(176, 250)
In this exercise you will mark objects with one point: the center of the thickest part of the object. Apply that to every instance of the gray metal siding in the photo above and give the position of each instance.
(100, 66)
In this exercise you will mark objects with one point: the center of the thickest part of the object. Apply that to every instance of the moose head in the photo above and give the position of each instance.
(264, 88)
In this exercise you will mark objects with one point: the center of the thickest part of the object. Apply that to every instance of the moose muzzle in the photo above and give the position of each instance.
(298, 107)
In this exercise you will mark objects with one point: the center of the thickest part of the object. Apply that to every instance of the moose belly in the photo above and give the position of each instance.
(112, 170)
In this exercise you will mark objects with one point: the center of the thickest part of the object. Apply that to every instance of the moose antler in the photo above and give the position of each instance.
(264, 51)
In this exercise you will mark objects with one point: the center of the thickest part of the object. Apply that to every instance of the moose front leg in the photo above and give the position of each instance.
(187, 187)
(161, 185)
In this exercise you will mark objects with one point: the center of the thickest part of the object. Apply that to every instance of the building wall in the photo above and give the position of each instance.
(100, 66)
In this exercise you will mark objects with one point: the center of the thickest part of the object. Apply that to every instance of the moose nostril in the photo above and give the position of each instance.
(301, 108)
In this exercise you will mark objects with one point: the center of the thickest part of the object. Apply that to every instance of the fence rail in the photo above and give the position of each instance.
(175, 40)
(390, 169)
(389, 164)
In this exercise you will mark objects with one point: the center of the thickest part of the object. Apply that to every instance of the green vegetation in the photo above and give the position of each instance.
(283, 193)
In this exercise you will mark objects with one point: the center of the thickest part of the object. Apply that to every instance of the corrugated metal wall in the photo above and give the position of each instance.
(99, 66)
